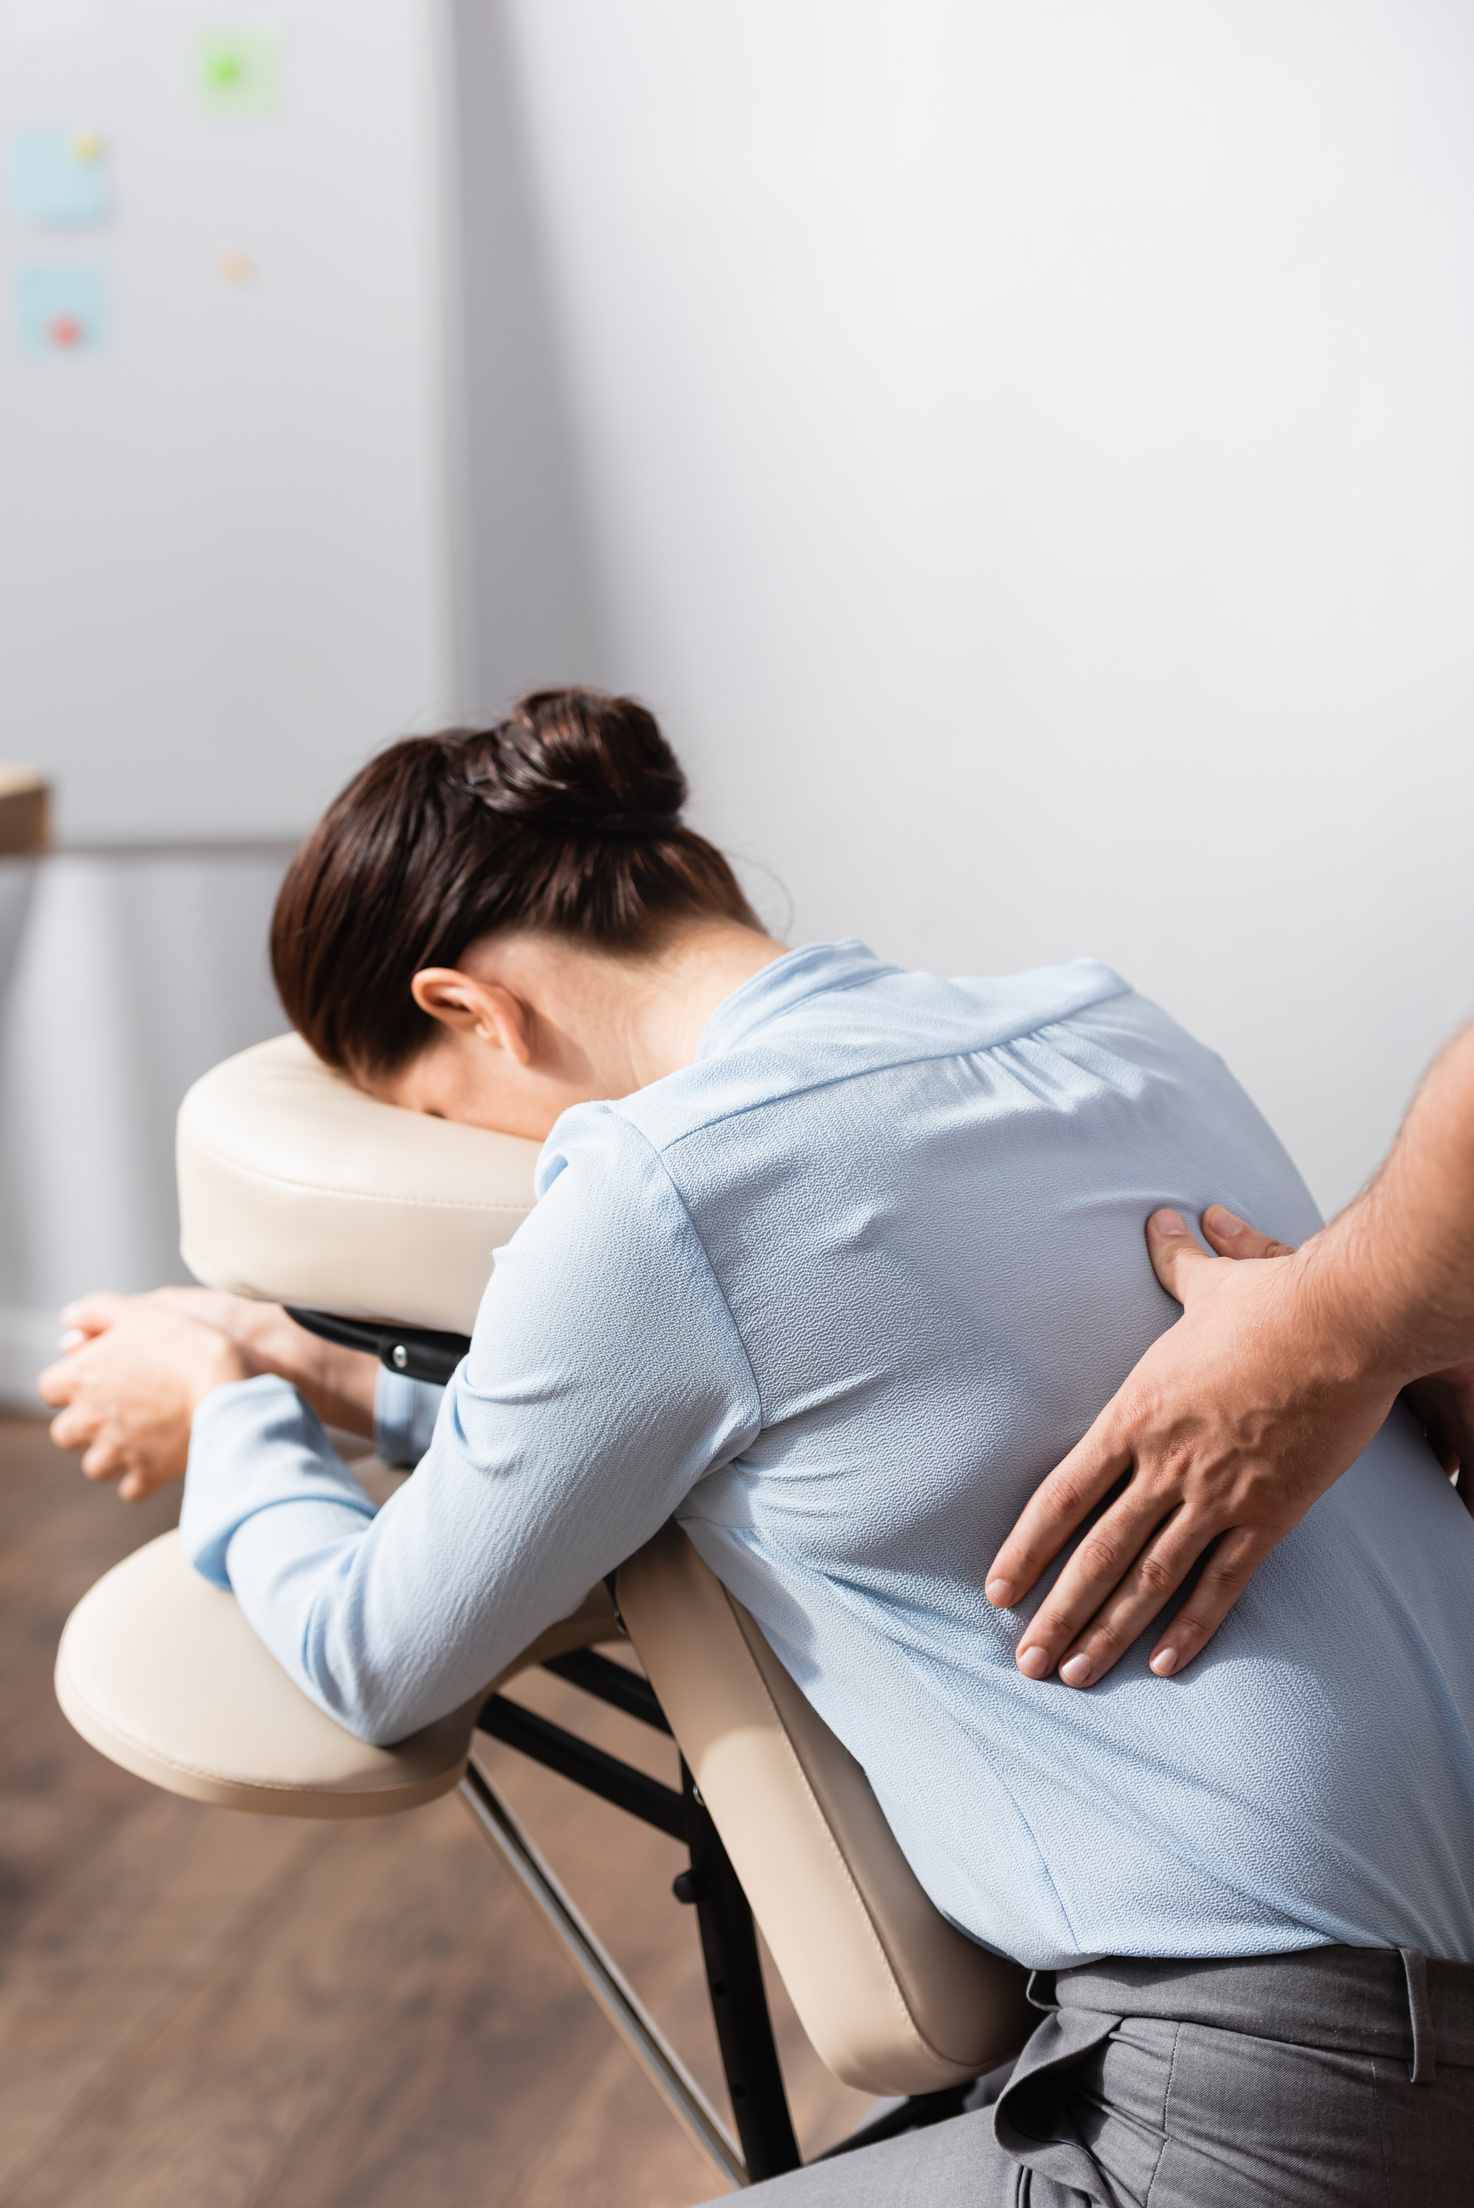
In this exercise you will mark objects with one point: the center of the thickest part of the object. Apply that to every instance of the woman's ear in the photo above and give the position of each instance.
(482, 1011)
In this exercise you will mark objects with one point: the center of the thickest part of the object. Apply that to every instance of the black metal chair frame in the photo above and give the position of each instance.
(710, 1885)
(765, 2145)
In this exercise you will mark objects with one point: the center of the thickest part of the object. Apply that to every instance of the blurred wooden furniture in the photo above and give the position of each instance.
(25, 810)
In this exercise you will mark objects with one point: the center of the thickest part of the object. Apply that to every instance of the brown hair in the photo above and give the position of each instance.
(563, 817)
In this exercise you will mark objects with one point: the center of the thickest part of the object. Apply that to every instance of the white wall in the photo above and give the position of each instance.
(137, 971)
(1023, 449)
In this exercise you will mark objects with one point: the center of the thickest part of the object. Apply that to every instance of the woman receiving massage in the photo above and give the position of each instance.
(832, 1262)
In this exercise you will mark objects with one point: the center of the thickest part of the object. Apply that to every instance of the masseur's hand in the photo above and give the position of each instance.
(127, 1394)
(1234, 1421)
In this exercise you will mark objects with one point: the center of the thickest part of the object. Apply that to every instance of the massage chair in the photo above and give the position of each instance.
(376, 1227)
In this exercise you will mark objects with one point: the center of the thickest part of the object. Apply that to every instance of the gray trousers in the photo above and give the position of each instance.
(1340, 2077)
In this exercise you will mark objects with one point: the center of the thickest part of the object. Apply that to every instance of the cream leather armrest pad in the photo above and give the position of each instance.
(295, 1187)
(894, 1998)
(162, 1673)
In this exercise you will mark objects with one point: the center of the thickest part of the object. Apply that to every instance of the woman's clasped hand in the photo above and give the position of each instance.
(134, 1369)
(126, 1387)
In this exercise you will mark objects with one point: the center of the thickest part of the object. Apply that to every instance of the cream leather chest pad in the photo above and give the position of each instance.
(295, 1187)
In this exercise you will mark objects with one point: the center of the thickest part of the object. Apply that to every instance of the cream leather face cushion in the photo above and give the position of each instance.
(297, 1188)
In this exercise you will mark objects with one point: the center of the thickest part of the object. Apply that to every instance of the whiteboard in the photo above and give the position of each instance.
(227, 558)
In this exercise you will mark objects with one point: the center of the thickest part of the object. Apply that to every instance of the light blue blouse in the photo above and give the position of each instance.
(837, 1296)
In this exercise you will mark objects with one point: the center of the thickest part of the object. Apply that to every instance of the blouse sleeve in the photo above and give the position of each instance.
(605, 1378)
(405, 1412)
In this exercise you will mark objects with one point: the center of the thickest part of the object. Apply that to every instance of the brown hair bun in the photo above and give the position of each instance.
(564, 817)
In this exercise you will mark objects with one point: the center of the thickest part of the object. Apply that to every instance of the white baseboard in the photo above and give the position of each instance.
(28, 1342)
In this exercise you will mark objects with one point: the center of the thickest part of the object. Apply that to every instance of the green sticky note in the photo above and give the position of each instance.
(240, 72)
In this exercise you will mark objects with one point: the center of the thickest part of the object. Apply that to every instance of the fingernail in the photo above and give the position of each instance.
(1000, 1593)
(1164, 1663)
(1034, 1662)
(1076, 1670)
(1169, 1222)
(1224, 1220)
(71, 1338)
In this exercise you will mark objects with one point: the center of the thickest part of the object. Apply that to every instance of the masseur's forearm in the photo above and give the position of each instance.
(1393, 1275)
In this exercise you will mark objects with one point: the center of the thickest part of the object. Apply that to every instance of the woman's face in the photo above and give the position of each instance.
(448, 1080)
(528, 1025)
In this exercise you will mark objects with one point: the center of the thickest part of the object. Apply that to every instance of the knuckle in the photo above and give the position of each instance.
(1104, 1555)
(1233, 1564)
(1050, 1631)
(1108, 1639)
(1111, 1433)
(1223, 1577)
(1064, 1495)
(1196, 1620)
(1156, 1575)
(1188, 1634)
(1016, 1550)
(1176, 1459)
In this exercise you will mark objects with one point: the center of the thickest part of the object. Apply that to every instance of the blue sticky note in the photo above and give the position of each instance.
(61, 309)
(58, 179)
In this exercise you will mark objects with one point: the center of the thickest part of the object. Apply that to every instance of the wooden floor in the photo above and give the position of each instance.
(205, 2010)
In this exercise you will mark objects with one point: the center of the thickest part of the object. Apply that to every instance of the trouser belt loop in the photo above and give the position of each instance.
(1039, 1992)
(1425, 2044)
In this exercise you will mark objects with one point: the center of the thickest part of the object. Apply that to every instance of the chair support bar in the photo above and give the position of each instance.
(739, 2001)
(419, 1352)
(658, 2059)
(612, 1683)
(589, 1767)
(729, 1946)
